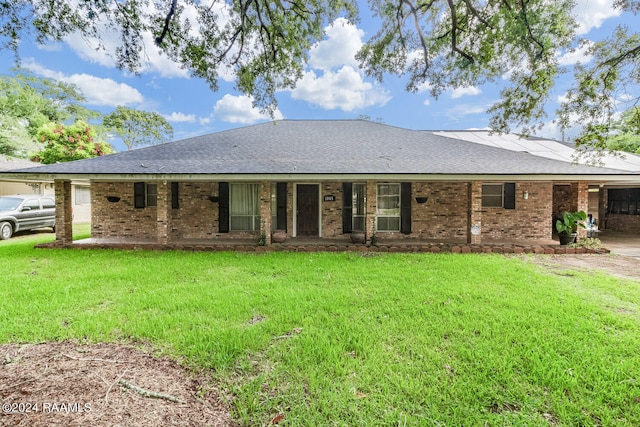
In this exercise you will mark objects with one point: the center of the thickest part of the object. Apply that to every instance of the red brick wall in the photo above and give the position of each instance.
(120, 219)
(443, 217)
(531, 219)
(624, 223)
(197, 217)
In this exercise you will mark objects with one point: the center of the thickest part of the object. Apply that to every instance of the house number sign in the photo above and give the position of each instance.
(329, 198)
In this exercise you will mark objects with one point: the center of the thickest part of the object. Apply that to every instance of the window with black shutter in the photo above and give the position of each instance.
(499, 195)
(144, 195)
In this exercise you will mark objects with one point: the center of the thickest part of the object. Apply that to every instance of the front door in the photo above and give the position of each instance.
(308, 212)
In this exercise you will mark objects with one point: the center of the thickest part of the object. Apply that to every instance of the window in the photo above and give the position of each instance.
(244, 207)
(625, 201)
(388, 207)
(145, 195)
(499, 195)
(492, 195)
(83, 195)
(48, 203)
(33, 205)
(358, 206)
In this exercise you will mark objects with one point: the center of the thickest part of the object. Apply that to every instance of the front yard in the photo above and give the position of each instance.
(347, 339)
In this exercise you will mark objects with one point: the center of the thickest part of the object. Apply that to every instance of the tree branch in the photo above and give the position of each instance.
(526, 22)
(454, 33)
(167, 21)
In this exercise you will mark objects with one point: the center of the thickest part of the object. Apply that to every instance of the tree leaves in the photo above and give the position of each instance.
(137, 128)
(440, 44)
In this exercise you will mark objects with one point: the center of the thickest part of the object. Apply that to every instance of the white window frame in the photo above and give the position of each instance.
(380, 214)
(496, 200)
(151, 194)
(82, 195)
(255, 215)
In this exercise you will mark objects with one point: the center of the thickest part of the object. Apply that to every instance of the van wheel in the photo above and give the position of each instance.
(6, 231)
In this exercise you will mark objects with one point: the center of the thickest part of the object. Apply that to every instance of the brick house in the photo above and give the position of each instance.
(323, 180)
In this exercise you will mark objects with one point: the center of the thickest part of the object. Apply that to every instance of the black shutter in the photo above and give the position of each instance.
(175, 200)
(281, 203)
(405, 207)
(223, 207)
(347, 206)
(138, 194)
(509, 195)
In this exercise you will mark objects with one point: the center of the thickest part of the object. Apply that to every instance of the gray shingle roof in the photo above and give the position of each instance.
(321, 147)
(10, 163)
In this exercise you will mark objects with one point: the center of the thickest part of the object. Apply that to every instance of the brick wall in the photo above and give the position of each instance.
(443, 217)
(332, 210)
(120, 219)
(624, 223)
(197, 217)
(531, 219)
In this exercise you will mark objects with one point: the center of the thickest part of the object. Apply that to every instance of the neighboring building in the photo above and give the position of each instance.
(324, 180)
(81, 192)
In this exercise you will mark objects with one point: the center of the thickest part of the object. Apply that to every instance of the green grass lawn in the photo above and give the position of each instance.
(347, 339)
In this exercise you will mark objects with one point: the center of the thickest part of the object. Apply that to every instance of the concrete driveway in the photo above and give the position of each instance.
(621, 243)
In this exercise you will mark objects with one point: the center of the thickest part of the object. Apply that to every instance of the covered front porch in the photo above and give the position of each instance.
(433, 216)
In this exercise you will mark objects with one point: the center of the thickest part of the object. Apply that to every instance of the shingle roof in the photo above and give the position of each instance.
(10, 163)
(321, 147)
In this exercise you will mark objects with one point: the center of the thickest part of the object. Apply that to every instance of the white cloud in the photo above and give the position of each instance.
(461, 110)
(180, 117)
(427, 102)
(103, 53)
(592, 13)
(424, 87)
(463, 91)
(343, 89)
(97, 90)
(334, 80)
(239, 109)
(343, 41)
(562, 99)
(578, 55)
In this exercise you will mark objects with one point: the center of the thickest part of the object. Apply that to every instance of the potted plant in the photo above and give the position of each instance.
(568, 226)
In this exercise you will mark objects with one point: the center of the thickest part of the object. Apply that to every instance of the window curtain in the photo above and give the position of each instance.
(245, 207)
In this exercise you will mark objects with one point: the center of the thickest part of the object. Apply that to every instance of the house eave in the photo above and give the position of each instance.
(603, 178)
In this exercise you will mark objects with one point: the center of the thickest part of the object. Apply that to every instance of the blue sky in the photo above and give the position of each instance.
(333, 86)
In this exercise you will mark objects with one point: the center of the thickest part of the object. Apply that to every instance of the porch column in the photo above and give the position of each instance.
(265, 210)
(64, 212)
(163, 213)
(582, 201)
(371, 208)
(474, 212)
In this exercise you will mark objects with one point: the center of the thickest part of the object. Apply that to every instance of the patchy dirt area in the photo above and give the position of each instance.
(618, 265)
(71, 384)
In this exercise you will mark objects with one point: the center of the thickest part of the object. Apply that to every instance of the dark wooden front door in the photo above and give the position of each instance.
(307, 210)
